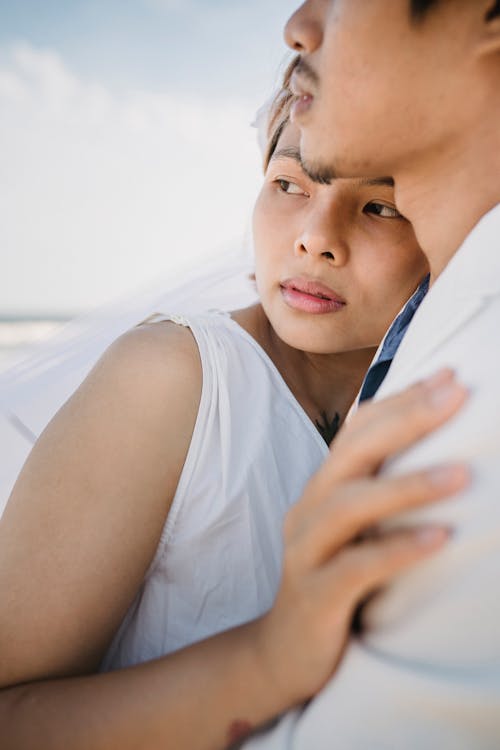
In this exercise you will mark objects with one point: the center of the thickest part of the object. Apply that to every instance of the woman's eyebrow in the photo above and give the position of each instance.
(293, 153)
(288, 153)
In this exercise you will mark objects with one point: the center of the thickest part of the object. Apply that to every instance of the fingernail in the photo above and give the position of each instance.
(444, 476)
(431, 536)
(441, 396)
(439, 377)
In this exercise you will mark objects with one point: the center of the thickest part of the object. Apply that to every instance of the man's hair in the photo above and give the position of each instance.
(420, 7)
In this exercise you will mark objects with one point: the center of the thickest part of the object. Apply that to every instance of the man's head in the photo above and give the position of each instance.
(387, 83)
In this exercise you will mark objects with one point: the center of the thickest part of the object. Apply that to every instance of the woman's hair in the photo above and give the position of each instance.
(279, 113)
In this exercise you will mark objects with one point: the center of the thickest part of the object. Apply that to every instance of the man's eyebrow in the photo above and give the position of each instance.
(287, 153)
(377, 181)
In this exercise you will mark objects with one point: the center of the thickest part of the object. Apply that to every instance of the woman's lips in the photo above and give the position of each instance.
(311, 296)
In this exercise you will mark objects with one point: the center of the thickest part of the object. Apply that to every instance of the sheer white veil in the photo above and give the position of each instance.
(33, 390)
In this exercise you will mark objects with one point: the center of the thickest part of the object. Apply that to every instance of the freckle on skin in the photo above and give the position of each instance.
(238, 730)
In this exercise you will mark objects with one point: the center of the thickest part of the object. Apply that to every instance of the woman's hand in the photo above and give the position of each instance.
(329, 567)
(205, 695)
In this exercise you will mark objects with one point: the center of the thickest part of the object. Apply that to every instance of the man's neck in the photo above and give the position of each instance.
(446, 194)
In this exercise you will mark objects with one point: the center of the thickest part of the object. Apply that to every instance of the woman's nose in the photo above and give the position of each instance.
(318, 243)
(303, 31)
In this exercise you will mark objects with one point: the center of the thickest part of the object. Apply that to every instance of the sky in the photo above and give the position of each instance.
(126, 146)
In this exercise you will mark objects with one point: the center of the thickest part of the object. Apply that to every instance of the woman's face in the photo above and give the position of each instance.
(334, 263)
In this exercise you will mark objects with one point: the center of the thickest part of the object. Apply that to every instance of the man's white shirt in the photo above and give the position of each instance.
(426, 673)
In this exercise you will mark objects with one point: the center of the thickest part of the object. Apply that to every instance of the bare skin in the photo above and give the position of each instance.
(436, 142)
(350, 237)
(322, 384)
(98, 497)
(54, 628)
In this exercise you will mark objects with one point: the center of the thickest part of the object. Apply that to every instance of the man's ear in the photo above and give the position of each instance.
(489, 38)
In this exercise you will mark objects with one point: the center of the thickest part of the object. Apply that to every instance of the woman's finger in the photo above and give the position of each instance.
(360, 569)
(386, 427)
(315, 534)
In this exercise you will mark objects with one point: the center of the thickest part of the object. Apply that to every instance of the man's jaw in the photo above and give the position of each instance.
(318, 171)
(324, 168)
(304, 85)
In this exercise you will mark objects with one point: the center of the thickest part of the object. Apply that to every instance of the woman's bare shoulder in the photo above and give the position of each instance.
(150, 378)
(97, 486)
(161, 352)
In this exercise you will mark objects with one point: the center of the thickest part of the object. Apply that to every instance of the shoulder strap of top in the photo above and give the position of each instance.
(172, 317)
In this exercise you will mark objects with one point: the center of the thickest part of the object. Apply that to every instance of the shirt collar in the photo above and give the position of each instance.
(386, 353)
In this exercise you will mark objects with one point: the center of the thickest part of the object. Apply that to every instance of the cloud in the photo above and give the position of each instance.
(101, 193)
(240, 42)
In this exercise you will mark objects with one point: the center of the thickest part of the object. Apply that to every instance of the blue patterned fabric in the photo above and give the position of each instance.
(380, 368)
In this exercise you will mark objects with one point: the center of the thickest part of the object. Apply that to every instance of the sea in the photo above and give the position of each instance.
(20, 334)
(222, 282)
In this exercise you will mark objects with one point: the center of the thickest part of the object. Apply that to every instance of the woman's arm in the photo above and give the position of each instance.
(85, 516)
(192, 698)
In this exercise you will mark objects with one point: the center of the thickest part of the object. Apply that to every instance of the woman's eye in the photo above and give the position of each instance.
(290, 187)
(380, 209)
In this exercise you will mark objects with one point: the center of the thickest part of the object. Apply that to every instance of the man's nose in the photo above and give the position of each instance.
(303, 31)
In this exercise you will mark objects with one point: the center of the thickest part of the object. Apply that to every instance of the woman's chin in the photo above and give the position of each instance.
(308, 340)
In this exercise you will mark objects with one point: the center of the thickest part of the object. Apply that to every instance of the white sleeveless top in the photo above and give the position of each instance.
(253, 448)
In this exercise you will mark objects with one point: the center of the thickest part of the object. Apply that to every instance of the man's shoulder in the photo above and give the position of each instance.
(456, 324)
